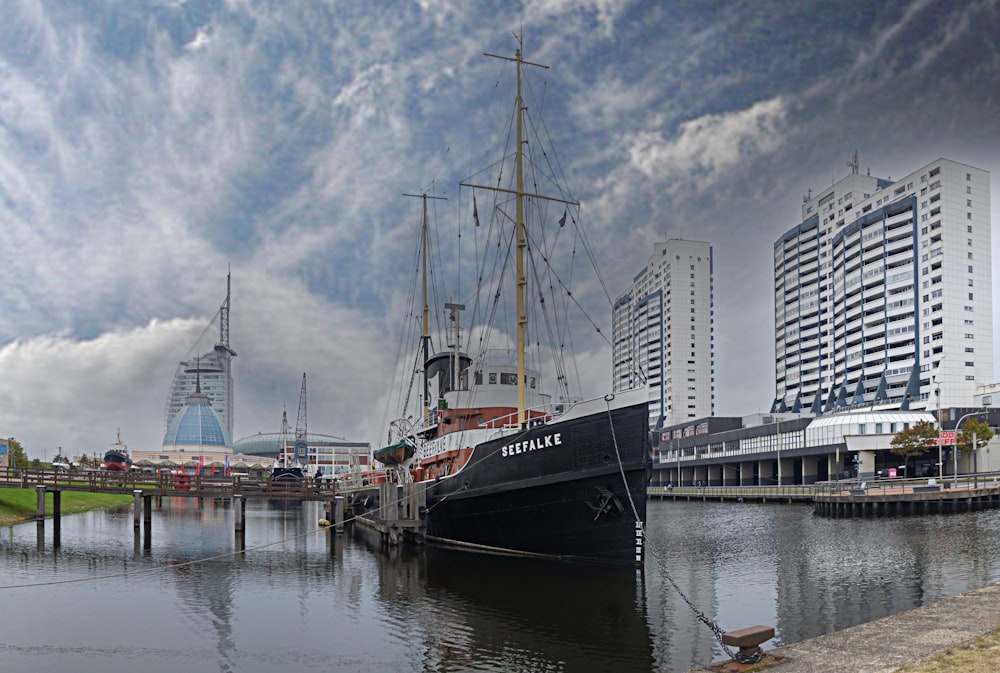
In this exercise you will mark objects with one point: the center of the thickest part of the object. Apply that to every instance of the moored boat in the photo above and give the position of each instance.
(288, 466)
(504, 467)
(116, 458)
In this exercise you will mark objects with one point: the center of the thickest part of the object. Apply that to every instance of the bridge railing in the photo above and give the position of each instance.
(165, 482)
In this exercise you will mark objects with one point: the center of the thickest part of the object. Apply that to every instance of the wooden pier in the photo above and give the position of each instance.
(884, 497)
(399, 516)
(143, 487)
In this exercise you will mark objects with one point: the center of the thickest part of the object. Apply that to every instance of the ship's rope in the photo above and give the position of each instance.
(660, 560)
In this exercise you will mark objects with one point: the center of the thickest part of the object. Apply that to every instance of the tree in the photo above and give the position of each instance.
(913, 441)
(981, 430)
(16, 454)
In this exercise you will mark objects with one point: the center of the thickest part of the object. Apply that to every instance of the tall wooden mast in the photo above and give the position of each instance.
(426, 336)
(520, 195)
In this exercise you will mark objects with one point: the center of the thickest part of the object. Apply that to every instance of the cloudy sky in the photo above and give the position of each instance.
(147, 147)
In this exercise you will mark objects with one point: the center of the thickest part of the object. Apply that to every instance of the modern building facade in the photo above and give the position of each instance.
(663, 333)
(197, 427)
(330, 455)
(212, 368)
(882, 294)
(794, 449)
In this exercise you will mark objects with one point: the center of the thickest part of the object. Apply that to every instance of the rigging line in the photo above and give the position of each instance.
(588, 249)
(557, 169)
(702, 617)
(569, 293)
(559, 365)
(406, 330)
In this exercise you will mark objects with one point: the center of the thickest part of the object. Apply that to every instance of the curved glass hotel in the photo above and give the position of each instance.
(882, 295)
(211, 367)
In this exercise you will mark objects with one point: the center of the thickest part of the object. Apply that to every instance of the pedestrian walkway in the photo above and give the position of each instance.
(886, 644)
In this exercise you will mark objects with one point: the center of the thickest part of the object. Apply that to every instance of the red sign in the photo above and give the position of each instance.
(892, 473)
(948, 437)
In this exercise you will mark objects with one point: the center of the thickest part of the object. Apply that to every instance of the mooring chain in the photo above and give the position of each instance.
(702, 617)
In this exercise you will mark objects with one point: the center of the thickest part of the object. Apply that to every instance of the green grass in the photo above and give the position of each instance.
(18, 504)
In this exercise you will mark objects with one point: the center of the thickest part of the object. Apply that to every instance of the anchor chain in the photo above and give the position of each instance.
(740, 658)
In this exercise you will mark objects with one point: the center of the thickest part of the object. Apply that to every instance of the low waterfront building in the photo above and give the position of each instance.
(328, 454)
(792, 449)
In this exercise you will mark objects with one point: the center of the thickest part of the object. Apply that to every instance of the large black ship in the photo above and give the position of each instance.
(573, 487)
(503, 466)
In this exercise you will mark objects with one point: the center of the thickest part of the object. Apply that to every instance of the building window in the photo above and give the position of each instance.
(970, 364)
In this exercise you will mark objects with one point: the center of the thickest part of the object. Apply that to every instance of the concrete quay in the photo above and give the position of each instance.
(886, 644)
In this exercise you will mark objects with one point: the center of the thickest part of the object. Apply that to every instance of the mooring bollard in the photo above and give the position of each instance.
(749, 641)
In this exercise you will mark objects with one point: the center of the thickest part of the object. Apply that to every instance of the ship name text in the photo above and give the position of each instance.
(544, 442)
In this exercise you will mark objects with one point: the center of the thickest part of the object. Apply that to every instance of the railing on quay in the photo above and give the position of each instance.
(875, 488)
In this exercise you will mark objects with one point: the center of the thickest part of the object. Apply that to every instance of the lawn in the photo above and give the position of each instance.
(18, 504)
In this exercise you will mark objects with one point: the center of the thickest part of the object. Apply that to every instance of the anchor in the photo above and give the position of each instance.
(607, 504)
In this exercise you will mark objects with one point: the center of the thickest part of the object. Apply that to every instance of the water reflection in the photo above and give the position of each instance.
(301, 598)
(526, 614)
(779, 565)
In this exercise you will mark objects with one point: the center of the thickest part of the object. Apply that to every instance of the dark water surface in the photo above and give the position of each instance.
(302, 599)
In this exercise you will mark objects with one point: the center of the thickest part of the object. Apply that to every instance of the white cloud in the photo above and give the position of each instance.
(705, 149)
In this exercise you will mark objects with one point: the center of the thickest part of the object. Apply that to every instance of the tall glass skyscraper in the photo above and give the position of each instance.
(212, 365)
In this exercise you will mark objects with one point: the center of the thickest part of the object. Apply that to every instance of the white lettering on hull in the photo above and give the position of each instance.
(544, 442)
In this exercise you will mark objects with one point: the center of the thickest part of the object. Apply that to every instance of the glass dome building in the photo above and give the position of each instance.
(196, 425)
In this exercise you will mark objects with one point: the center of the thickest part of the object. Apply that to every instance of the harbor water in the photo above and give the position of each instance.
(301, 598)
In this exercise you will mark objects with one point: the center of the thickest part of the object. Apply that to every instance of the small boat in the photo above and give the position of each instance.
(116, 458)
(287, 467)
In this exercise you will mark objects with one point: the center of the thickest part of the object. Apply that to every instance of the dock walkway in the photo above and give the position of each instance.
(886, 644)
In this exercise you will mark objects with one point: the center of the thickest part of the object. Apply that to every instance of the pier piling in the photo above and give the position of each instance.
(239, 510)
(338, 513)
(40, 502)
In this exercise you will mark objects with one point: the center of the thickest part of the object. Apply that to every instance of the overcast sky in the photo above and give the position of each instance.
(147, 147)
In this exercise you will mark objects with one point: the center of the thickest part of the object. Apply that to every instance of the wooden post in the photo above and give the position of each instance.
(338, 513)
(56, 519)
(136, 507)
(147, 511)
(40, 502)
(238, 511)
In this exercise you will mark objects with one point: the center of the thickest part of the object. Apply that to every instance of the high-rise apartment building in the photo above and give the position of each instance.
(882, 295)
(663, 333)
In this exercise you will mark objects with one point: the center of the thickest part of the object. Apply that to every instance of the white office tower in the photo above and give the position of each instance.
(663, 331)
(882, 295)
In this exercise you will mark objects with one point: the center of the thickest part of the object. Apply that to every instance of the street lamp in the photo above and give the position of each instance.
(955, 454)
(777, 437)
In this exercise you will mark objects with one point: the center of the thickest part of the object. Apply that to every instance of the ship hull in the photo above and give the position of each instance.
(116, 461)
(287, 474)
(556, 490)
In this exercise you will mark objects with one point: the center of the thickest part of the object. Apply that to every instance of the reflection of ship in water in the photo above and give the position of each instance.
(535, 614)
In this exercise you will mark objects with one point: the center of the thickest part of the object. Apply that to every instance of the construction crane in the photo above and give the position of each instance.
(301, 447)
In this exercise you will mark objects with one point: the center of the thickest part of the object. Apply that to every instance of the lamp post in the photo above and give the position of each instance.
(777, 437)
(955, 454)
